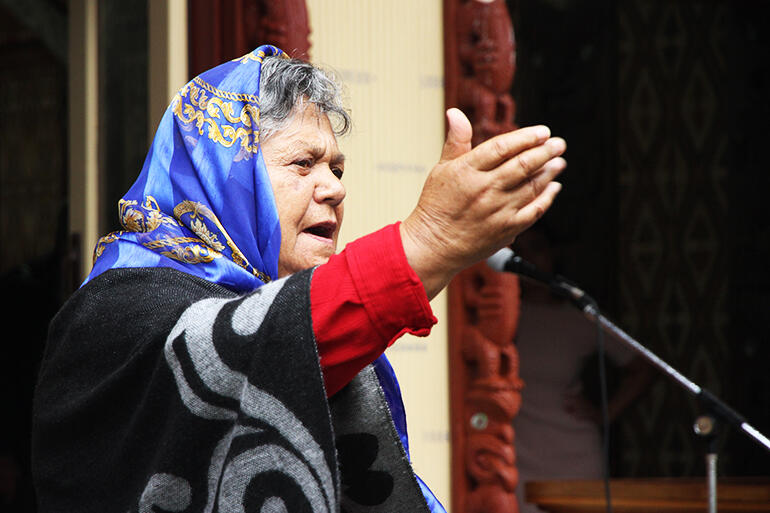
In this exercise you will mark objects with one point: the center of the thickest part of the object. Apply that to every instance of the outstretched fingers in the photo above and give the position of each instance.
(495, 151)
(534, 210)
(527, 189)
(526, 165)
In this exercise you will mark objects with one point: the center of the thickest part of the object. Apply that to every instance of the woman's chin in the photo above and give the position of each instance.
(310, 251)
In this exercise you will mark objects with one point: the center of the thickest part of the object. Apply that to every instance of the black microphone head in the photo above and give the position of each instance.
(500, 259)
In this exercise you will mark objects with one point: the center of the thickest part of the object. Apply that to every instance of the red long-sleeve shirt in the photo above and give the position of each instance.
(362, 300)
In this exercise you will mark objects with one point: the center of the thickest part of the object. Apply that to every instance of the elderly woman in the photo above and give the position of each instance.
(218, 356)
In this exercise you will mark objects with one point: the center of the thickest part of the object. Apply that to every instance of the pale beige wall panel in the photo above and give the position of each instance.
(389, 55)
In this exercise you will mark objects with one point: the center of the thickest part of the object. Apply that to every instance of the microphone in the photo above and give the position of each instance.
(508, 261)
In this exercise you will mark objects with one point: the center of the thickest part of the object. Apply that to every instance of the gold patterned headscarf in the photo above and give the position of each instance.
(203, 203)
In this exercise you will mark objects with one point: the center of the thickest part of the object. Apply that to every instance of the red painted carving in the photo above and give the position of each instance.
(484, 375)
(220, 30)
(486, 51)
(483, 304)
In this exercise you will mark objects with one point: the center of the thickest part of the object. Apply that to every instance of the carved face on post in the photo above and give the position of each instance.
(493, 48)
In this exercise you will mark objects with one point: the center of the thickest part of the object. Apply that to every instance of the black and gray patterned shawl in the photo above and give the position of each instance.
(161, 391)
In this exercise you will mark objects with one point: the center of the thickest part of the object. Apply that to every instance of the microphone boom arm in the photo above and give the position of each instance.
(709, 400)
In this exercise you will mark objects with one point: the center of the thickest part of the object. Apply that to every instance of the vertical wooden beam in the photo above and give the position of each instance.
(83, 127)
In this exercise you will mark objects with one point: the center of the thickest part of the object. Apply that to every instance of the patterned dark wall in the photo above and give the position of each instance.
(672, 252)
(684, 222)
(748, 86)
(664, 106)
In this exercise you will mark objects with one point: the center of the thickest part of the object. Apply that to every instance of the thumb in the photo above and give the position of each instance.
(458, 137)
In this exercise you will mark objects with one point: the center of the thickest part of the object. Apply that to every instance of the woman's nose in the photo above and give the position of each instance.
(329, 188)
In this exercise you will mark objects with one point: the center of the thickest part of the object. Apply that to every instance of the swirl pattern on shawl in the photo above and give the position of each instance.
(228, 479)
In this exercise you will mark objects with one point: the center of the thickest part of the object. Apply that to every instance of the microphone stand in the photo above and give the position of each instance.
(705, 425)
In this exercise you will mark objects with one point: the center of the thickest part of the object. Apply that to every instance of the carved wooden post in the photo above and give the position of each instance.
(483, 304)
(286, 25)
(225, 29)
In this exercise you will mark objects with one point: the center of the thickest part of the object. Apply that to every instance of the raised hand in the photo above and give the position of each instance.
(475, 201)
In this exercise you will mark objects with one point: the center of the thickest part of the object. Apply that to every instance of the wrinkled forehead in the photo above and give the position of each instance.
(308, 131)
(308, 123)
(303, 112)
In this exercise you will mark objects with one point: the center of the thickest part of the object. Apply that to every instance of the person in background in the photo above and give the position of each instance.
(558, 427)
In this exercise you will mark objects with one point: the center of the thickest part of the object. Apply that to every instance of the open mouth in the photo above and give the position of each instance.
(324, 230)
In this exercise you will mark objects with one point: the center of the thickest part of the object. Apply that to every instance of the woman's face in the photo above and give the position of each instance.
(305, 167)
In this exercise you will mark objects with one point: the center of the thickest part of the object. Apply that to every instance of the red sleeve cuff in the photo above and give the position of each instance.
(391, 292)
(362, 300)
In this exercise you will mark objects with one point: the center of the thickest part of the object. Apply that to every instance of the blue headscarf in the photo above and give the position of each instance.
(203, 203)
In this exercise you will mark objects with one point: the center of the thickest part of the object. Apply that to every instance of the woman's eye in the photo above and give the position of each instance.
(303, 163)
(338, 172)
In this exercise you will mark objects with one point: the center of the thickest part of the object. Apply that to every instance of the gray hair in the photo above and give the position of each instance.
(287, 83)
